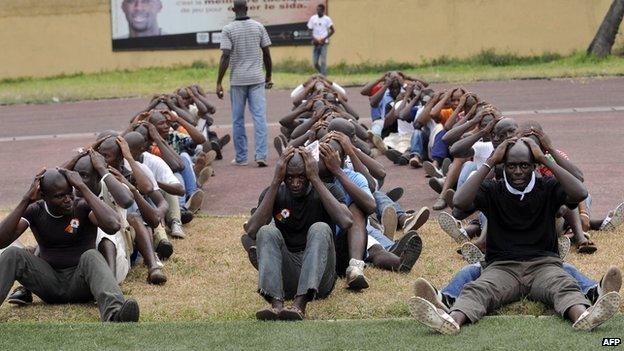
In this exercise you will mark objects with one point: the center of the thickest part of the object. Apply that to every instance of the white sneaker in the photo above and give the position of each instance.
(177, 231)
(426, 313)
(416, 220)
(614, 219)
(195, 201)
(564, 246)
(605, 308)
(610, 281)
(389, 221)
(452, 227)
(236, 163)
(355, 275)
(204, 176)
(471, 253)
(424, 289)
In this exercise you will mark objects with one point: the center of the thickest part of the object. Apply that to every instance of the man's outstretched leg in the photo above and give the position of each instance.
(318, 271)
(93, 278)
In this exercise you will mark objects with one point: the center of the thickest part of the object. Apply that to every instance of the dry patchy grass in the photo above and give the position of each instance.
(211, 278)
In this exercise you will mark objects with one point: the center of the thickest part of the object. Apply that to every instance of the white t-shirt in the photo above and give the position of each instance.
(161, 170)
(482, 150)
(147, 172)
(320, 26)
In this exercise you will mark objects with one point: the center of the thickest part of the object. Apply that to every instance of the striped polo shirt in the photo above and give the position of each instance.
(245, 38)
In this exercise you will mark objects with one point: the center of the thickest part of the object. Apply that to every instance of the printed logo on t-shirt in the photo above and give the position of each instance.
(72, 228)
(283, 215)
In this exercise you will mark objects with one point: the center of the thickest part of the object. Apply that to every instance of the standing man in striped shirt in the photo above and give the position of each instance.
(245, 47)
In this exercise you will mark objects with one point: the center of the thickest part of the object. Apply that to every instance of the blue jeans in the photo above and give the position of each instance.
(472, 272)
(239, 95)
(382, 200)
(319, 58)
(467, 168)
(384, 241)
(188, 176)
(420, 139)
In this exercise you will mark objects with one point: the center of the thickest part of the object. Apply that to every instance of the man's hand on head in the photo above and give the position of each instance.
(490, 126)
(98, 161)
(311, 166)
(125, 149)
(537, 152)
(498, 156)
(544, 139)
(34, 191)
(331, 158)
(73, 178)
(153, 132)
(282, 164)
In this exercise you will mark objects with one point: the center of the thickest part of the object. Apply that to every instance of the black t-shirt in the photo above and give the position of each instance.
(521, 230)
(294, 216)
(62, 240)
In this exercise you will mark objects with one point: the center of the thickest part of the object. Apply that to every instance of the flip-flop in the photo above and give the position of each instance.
(267, 314)
(587, 247)
(156, 276)
(291, 314)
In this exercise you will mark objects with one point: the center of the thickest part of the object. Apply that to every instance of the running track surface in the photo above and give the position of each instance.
(584, 118)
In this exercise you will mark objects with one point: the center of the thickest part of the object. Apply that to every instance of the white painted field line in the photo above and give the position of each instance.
(573, 110)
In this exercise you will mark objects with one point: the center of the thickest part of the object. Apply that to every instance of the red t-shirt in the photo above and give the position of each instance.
(545, 171)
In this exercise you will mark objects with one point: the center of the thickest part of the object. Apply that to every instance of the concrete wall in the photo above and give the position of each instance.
(50, 37)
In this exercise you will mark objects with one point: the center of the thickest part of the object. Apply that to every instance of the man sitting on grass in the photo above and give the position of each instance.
(68, 269)
(296, 255)
(522, 256)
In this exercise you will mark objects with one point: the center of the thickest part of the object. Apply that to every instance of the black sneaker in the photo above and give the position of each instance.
(410, 255)
(396, 157)
(436, 184)
(395, 194)
(400, 245)
(164, 250)
(20, 296)
(129, 312)
(186, 216)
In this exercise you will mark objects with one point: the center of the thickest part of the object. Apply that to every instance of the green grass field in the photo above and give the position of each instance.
(492, 333)
(146, 82)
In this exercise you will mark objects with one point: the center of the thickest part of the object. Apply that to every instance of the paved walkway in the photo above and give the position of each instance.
(584, 117)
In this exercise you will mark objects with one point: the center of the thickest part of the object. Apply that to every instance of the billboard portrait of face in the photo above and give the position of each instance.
(153, 24)
(141, 17)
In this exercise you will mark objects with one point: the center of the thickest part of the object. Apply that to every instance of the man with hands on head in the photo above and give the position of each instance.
(522, 257)
(68, 269)
(294, 227)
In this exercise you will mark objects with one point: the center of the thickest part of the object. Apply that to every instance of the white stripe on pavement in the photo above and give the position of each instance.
(275, 124)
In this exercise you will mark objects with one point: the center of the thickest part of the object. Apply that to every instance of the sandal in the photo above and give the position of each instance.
(156, 276)
(587, 247)
(267, 314)
(291, 314)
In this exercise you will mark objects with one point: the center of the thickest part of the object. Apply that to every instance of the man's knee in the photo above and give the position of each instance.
(268, 233)
(12, 253)
(92, 256)
(318, 231)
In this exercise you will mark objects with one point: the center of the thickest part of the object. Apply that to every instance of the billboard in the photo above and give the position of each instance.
(192, 24)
